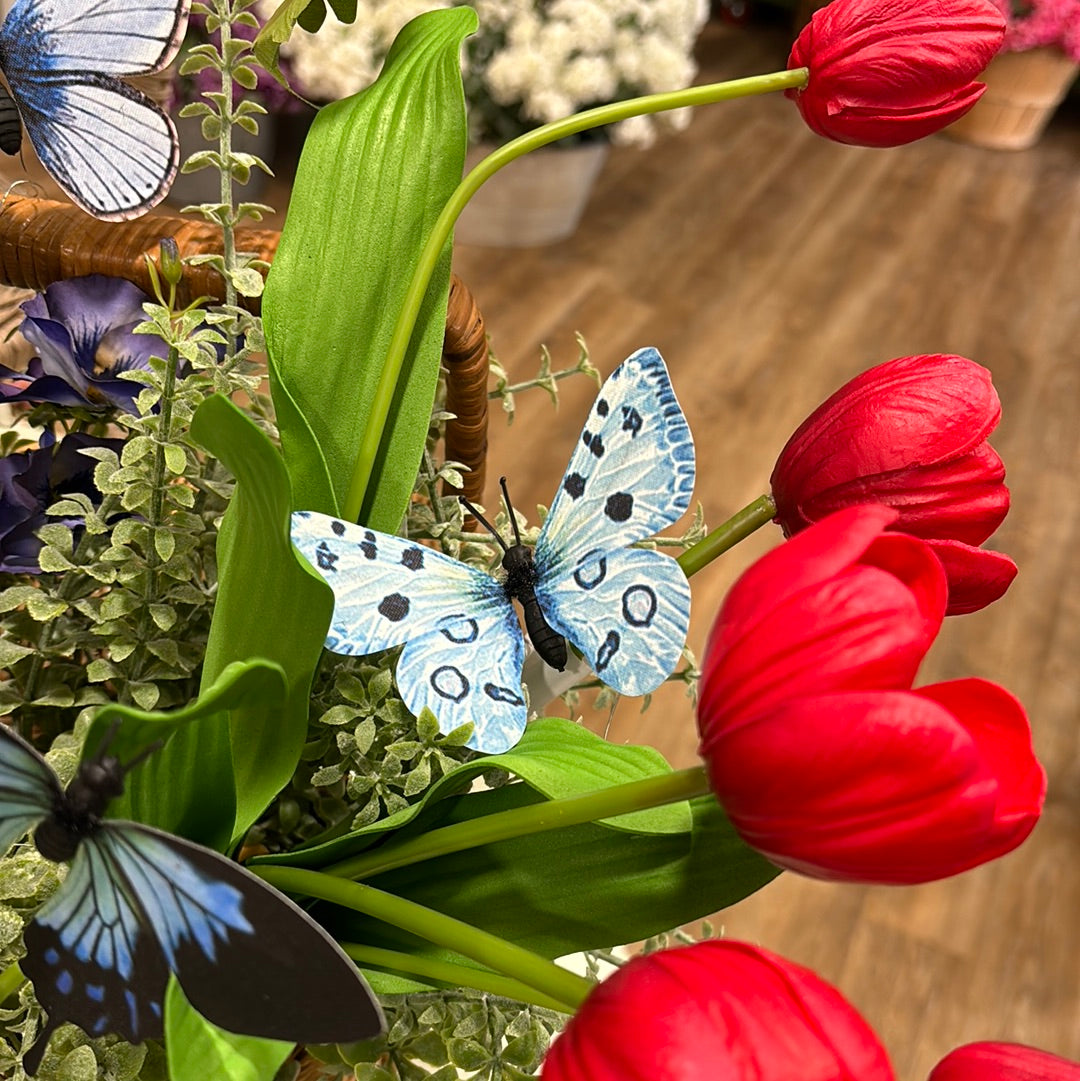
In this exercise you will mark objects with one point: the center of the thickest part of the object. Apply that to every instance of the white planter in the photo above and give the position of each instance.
(537, 199)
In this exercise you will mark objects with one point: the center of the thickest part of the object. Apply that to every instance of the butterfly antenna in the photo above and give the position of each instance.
(510, 510)
(482, 520)
(106, 742)
(144, 754)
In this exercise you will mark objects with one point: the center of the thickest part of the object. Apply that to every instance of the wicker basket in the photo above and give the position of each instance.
(43, 241)
(1022, 92)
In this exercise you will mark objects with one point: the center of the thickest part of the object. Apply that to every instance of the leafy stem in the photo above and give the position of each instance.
(447, 972)
(496, 953)
(533, 140)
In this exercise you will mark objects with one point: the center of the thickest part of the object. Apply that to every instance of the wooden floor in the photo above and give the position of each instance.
(770, 266)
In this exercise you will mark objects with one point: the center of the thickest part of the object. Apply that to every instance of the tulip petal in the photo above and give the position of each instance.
(977, 576)
(716, 1009)
(812, 617)
(988, 1061)
(887, 787)
(909, 413)
(998, 724)
(886, 72)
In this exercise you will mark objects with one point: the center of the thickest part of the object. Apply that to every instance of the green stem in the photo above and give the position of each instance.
(735, 529)
(440, 233)
(11, 979)
(449, 973)
(487, 949)
(522, 821)
(228, 219)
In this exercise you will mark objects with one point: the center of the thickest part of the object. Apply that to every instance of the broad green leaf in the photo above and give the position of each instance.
(270, 604)
(183, 788)
(568, 890)
(257, 683)
(197, 1050)
(374, 174)
(556, 758)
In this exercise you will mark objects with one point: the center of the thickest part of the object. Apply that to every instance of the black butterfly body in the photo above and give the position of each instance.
(139, 903)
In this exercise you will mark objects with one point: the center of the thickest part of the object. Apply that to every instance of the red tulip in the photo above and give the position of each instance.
(909, 433)
(887, 72)
(717, 1009)
(822, 755)
(1003, 1062)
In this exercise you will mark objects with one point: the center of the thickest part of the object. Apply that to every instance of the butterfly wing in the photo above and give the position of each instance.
(627, 610)
(138, 903)
(108, 146)
(631, 475)
(463, 644)
(28, 788)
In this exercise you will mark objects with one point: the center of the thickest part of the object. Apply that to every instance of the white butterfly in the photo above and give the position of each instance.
(625, 609)
(108, 146)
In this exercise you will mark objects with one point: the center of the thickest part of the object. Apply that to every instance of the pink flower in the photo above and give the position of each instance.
(887, 72)
(1003, 1062)
(718, 1009)
(911, 434)
(822, 755)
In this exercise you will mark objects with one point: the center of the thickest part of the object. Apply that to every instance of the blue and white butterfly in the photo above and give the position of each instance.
(138, 904)
(625, 609)
(108, 146)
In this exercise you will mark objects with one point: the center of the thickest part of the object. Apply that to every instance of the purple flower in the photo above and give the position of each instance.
(82, 329)
(31, 482)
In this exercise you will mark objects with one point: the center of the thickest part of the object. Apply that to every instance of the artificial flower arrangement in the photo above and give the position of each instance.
(166, 635)
(529, 63)
(1034, 23)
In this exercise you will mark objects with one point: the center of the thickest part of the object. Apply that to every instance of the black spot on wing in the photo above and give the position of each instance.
(394, 607)
(503, 694)
(607, 651)
(591, 571)
(632, 421)
(574, 485)
(462, 631)
(326, 557)
(337, 528)
(368, 545)
(602, 407)
(639, 605)
(450, 683)
(413, 558)
(619, 506)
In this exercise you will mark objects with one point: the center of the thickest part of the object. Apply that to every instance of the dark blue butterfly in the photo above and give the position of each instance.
(138, 904)
(108, 146)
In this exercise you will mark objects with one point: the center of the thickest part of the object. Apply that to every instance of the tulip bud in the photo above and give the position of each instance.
(910, 434)
(1003, 1062)
(823, 757)
(717, 1009)
(887, 72)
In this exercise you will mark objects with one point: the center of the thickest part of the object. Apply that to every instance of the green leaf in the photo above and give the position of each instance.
(270, 604)
(182, 787)
(10, 652)
(375, 172)
(197, 1050)
(583, 887)
(555, 757)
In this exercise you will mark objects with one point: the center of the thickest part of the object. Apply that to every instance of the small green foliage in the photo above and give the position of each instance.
(448, 1034)
(545, 378)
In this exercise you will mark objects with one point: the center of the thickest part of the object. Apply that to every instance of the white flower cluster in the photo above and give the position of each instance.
(531, 62)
